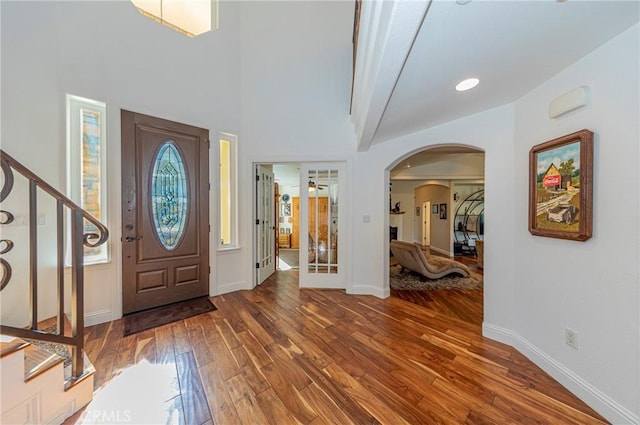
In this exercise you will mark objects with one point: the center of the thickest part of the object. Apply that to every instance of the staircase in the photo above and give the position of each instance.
(38, 385)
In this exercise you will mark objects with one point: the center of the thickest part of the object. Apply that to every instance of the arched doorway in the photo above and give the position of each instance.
(440, 177)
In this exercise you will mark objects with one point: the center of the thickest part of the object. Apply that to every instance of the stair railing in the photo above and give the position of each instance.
(78, 239)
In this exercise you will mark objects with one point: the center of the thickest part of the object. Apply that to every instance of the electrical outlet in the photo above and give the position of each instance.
(571, 338)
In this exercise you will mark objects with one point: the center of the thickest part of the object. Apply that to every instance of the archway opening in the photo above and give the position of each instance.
(428, 190)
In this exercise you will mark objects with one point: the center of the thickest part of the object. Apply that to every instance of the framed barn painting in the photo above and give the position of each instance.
(561, 187)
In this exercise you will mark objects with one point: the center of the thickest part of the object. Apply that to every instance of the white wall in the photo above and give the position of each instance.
(296, 85)
(274, 73)
(593, 286)
(109, 52)
(491, 131)
(534, 286)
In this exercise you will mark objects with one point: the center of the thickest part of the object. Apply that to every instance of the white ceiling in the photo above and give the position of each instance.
(441, 163)
(511, 46)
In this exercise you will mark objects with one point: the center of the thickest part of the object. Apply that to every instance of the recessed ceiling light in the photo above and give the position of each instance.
(467, 84)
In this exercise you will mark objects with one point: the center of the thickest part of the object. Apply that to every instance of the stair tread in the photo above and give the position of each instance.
(38, 361)
(8, 347)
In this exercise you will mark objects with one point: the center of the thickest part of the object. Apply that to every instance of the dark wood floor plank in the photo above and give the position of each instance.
(228, 334)
(165, 343)
(258, 354)
(199, 344)
(194, 400)
(325, 407)
(181, 337)
(273, 408)
(381, 413)
(221, 407)
(223, 357)
(251, 372)
(333, 396)
(279, 375)
(244, 399)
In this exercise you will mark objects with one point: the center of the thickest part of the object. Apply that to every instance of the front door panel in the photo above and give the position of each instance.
(165, 212)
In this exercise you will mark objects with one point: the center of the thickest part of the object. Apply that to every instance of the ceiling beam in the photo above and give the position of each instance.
(387, 32)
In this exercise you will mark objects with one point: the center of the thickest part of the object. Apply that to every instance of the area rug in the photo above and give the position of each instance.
(149, 319)
(407, 280)
(290, 257)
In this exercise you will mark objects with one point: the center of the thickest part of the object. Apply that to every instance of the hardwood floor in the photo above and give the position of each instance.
(463, 305)
(281, 355)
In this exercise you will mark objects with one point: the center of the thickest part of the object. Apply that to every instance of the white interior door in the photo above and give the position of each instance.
(426, 223)
(265, 224)
(322, 257)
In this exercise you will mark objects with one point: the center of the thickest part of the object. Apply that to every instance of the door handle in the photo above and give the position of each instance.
(132, 238)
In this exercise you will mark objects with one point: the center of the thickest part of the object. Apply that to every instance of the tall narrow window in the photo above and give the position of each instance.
(86, 164)
(227, 194)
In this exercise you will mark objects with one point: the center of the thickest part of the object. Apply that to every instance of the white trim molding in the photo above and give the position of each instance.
(595, 398)
(97, 317)
(232, 287)
(369, 290)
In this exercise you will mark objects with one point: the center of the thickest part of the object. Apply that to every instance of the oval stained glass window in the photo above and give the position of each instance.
(169, 198)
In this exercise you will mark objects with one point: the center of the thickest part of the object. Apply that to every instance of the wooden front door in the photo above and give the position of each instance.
(165, 212)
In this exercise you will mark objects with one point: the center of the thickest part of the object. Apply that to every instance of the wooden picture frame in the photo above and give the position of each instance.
(561, 187)
(434, 209)
(443, 211)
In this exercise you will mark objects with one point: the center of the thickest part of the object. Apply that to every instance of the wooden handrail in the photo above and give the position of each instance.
(78, 238)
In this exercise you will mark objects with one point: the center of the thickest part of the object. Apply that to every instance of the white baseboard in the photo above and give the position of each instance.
(369, 290)
(232, 287)
(97, 317)
(599, 401)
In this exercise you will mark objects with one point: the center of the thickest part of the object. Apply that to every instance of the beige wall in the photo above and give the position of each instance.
(440, 229)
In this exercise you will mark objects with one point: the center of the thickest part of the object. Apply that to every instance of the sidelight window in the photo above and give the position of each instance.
(227, 176)
(87, 164)
(87, 168)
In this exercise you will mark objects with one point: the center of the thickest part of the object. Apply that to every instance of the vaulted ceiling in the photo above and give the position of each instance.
(412, 54)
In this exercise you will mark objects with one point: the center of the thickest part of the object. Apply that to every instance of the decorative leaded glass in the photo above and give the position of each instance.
(169, 195)
(90, 146)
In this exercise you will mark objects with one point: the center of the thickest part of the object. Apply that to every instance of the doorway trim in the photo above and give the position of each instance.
(386, 290)
(345, 242)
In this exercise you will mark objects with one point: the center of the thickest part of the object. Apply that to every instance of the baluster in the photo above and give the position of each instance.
(60, 270)
(77, 293)
(33, 253)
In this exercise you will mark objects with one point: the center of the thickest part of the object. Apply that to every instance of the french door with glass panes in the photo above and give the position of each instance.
(265, 224)
(322, 189)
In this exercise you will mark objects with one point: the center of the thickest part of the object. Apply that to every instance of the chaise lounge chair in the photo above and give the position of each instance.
(411, 256)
